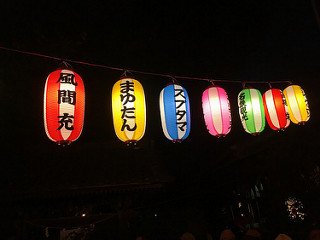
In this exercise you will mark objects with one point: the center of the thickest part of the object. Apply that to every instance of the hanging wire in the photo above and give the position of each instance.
(125, 71)
(61, 59)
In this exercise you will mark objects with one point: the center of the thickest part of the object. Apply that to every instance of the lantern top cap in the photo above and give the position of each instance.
(212, 82)
(290, 83)
(126, 74)
(244, 85)
(173, 79)
(65, 65)
(247, 87)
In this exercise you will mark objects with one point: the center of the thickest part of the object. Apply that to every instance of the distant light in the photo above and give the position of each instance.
(295, 209)
(83, 215)
(156, 215)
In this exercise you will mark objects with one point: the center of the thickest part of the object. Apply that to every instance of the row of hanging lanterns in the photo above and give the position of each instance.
(277, 107)
(64, 105)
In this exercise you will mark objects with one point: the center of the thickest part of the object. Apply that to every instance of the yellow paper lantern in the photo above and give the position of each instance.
(128, 110)
(298, 107)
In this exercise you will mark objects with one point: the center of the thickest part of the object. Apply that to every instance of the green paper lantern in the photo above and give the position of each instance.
(251, 110)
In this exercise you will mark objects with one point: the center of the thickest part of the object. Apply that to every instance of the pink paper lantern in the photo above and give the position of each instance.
(216, 111)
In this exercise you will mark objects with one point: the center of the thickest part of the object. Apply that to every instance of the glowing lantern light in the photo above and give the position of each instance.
(216, 111)
(175, 112)
(251, 110)
(298, 107)
(64, 104)
(276, 110)
(128, 110)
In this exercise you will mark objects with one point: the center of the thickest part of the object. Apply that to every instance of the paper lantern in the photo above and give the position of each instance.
(128, 110)
(216, 111)
(275, 109)
(251, 110)
(298, 107)
(175, 112)
(64, 105)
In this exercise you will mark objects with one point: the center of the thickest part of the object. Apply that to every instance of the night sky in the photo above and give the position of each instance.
(255, 41)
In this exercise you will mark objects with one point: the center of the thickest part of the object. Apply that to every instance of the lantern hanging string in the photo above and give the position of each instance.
(125, 70)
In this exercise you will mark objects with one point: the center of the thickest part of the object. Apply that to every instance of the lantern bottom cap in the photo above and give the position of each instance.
(64, 142)
(255, 134)
(131, 142)
(281, 129)
(220, 135)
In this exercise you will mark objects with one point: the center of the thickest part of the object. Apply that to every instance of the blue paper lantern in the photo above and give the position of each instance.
(175, 112)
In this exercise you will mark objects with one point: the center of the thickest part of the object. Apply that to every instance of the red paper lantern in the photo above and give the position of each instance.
(275, 108)
(64, 105)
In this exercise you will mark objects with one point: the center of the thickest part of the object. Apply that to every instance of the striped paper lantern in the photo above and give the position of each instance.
(276, 110)
(251, 110)
(216, 111)
(175, 112)
(298, 107)
(128, 110)
(64, 105)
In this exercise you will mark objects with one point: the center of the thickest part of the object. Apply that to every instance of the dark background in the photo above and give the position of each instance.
(255, 41)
